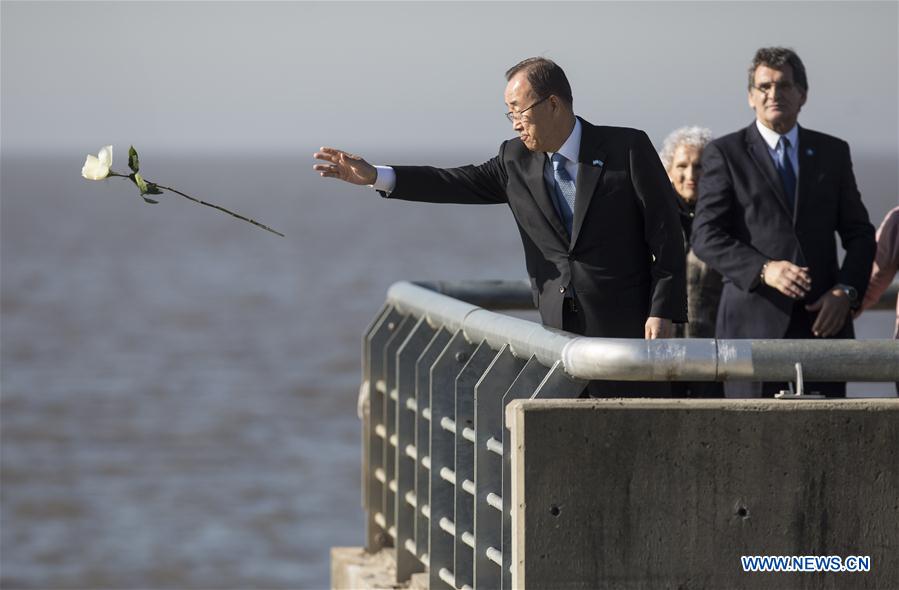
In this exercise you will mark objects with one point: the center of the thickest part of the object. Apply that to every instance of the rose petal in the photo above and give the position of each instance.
(90, 165)
(106, 156)
(93, 169)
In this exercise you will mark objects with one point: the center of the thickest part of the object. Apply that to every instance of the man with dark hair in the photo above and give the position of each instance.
(771, 198)
(594, 208)
(544, 76)
(777, 58)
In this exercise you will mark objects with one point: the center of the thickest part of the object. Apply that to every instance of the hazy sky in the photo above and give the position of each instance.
(418, 78)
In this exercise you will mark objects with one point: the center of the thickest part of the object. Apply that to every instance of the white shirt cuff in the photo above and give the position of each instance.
(386, 180)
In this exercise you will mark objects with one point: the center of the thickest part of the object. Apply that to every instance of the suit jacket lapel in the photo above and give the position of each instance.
(758, 151)
(589, 172)
(533, 175)
(808, 171)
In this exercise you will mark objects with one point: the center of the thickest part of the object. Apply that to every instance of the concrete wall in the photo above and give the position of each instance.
(670, 493)
(353, 568)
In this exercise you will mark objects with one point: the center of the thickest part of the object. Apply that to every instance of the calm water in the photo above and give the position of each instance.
(179, 387)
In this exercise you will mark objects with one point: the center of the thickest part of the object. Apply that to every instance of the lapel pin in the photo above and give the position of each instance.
(809, 152)
(597, 162)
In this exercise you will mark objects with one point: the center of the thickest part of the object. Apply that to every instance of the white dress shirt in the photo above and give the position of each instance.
(571, 149)
(386, 180)
(772, 137)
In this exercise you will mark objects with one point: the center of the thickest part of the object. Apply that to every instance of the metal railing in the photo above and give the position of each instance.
(438, 372)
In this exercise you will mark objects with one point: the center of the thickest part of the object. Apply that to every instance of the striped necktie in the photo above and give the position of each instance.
(565, 189)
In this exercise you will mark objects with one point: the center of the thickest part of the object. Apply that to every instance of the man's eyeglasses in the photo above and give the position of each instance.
(515, 117)
(767, 87)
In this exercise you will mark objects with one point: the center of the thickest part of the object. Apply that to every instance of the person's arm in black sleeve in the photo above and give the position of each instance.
(713, 240)
(855, 231)
(483, 184)
(662, 232)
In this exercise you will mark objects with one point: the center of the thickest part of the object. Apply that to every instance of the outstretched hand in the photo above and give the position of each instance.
(347, 167)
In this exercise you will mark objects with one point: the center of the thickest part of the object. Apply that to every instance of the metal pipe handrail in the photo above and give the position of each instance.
(647, 360)
(726, 360)
(517, 294)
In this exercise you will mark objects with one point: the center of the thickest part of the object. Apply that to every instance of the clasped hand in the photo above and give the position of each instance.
(791, 280)
(794, 281)
(833, 309)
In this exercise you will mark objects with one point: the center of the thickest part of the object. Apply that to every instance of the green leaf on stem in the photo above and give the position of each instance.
(141, 183)
(133, 161)
(151, 201)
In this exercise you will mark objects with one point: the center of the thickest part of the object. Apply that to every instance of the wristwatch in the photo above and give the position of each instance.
(850, 292)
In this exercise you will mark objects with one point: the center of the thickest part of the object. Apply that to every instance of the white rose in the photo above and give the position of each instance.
(97, 167)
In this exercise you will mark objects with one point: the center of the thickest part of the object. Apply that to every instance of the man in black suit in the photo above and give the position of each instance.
(594, 208)
(771, 198)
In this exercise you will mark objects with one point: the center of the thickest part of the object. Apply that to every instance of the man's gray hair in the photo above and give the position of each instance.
(691, 135)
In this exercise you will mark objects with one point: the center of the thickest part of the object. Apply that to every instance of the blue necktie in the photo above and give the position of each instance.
(785, 169)
(564, 186)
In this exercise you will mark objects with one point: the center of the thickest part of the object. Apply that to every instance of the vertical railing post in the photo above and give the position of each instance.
(423, 441)
(442, 453)
(396, 340)
(488, 465)
(463, 562)
(407, 562)
(364, 409)
(376, 535)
